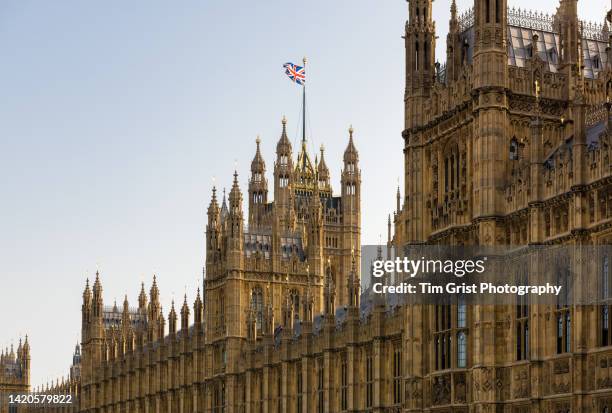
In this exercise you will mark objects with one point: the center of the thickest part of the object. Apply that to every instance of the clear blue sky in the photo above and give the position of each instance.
(115, 116)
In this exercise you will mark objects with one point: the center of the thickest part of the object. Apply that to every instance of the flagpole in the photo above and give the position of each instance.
(304, 105)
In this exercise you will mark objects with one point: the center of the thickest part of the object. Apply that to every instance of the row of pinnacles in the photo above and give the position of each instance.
(15, 366)
(306, 243)
(114, 332)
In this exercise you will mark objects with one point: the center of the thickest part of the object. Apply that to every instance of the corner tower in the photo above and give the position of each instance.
(490, 77)
(351, 207)
(420, 41)
(258, 188)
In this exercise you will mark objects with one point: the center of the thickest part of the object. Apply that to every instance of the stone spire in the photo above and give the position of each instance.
(172, 320)
(258, 165)
(197, 309)
(283, 146)
(185, 315)
(323, 170)
(350, 153)
(142, 298)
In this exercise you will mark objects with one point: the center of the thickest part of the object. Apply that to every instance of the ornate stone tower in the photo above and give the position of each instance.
(258, 188)
(420, 43)
(283, 176)
(14, 374)
(420, 40)
(351, 210)
(92, 338)
(491, 119)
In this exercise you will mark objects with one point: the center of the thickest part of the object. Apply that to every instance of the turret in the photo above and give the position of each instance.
(258, 187)
(490, 45)
(283, 176)
(351, 200)
(161, 324)
(236, 221)
(197, 310)
(154, 311)
(567, 24)
(86, 310)
(454, 48)
(354, 287)
(351, 178)
(323, 172)
(213, 230)
(125, 317)
(420, 43)
(142, 299)
(172, 320)
(25, 361)
(185, 316)
(97, 301)
(490, 74)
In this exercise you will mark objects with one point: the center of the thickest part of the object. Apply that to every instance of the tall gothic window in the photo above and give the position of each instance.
(320, 403)
(498, 11)
(563, 311)
(299, 385)
(295, 302)
(514, 149)
(344, 383)
(397, 373)
(446, 175)
(522, 318)
(416, 54)
(606, 302)
(369, 379)
(442, 336)
(461, 350)
(222, 309)
(257, 303)
(461, 327)
(452, 167)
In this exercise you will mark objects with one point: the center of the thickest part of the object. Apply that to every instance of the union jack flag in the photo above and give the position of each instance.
(296, 73)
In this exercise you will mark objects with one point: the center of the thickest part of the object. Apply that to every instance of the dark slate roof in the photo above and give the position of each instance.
(594, 132)
(523, 25)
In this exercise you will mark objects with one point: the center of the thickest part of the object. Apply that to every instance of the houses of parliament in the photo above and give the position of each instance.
(506, 144)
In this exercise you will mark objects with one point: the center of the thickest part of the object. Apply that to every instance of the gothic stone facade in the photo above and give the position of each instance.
(507, 144)
(14, 374)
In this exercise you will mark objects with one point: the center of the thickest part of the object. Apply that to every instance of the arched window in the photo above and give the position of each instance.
(568, 332)
(522, 318)
(563, 311)
(498, 11)
(257, 303)
(559, 334)
(461, 350)
(605, 326)
(514, 149)
(416, 55)
(295, 300)
(461, 312)
(596, 62)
